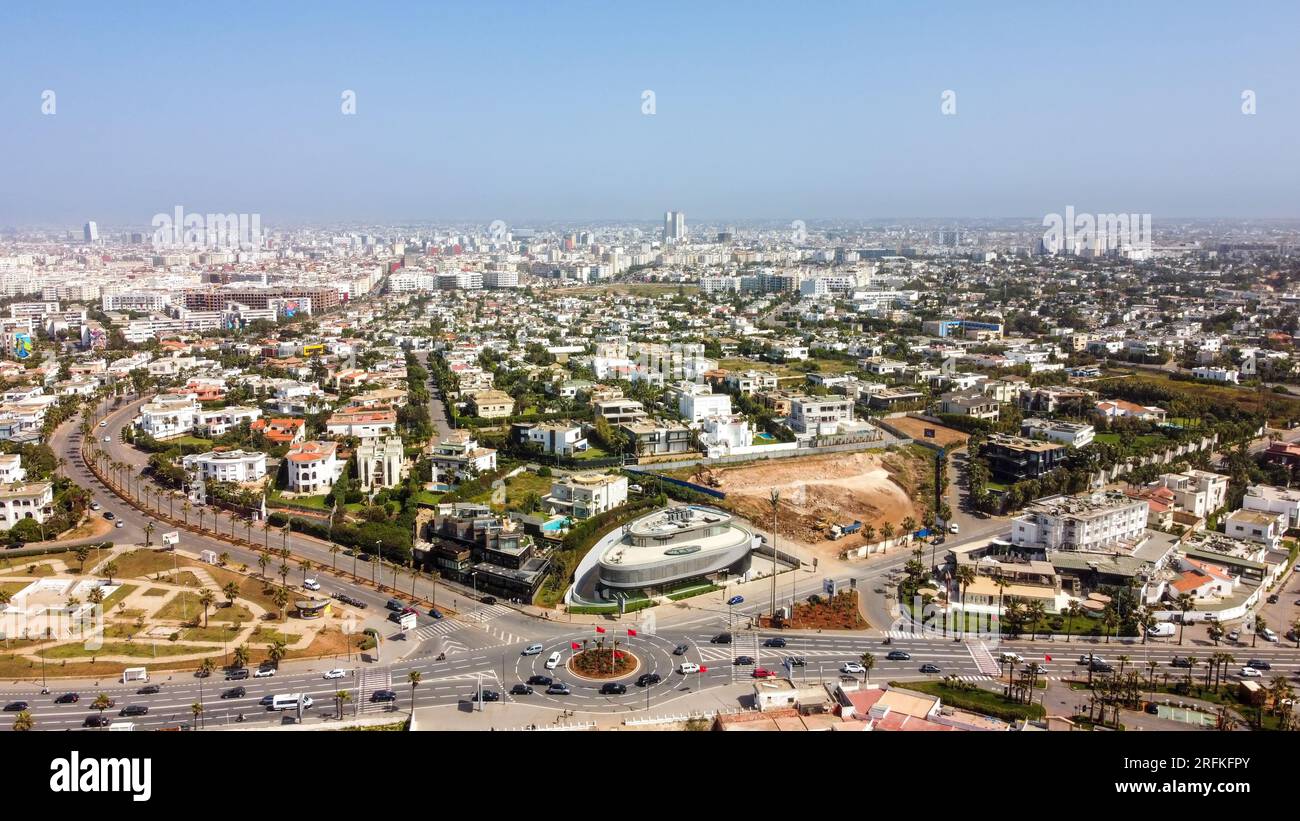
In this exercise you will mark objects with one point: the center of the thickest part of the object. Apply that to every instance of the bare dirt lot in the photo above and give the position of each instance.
(819, 491)
(915, 428)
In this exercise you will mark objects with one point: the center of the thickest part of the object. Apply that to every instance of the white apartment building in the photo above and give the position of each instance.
(381, 462)
(219, 422)
(696, 407)
(1197, 491)
(1270, 499)
(820, 415)
(25, 501)
(720, 435)
(1095, 523)
(1257, 526)
(167, 418)
(227, 465)
(584, 495)
(313, 467)
(1075, 434)
(458, 454)
(11, 468)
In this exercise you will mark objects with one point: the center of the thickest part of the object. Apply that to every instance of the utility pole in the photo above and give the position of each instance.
(776, 499)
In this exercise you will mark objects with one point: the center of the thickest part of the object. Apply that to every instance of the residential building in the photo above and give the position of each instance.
(1270, 499)
(32, 500)
(583, 495)
(1014, 458)
(558, 438)
(974, 404)
(1100, 522)
(491, 404)
(362, 423)
(819, 415)
(1074, 434)
(381, 462)
(236, 466)
(651, 438)
(458, 456)
(1256, 526)
(313, 467)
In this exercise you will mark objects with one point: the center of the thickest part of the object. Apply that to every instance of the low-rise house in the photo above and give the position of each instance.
(226, 465)
(651, 438)
(1074, 434)
(363, 423)
(458, 456)
(25, 500)
(282, 431)
(583, 495)
(1256, 526)
(973, 404)
(381, 462)
(313, 467)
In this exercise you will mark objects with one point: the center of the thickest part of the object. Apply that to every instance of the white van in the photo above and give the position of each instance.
(1267, 634)
(553, 661)
(688, 667)
(289, 701)
(310, 584)
(532, 650)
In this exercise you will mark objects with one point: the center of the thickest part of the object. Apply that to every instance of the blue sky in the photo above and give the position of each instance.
(527, 111)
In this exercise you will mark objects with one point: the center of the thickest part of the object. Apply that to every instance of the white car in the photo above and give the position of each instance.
(311, 584)
(264, 672)
(95, 505)
(104, 424)
(1250, 672)
(336, 673)
(119, 523)
(852, 667)
(687, 667)
(953, 528)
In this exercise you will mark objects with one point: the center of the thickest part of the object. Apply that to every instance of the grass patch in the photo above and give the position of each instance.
(135, 649)
(146, 562)
(269, 637)
(229, 615)
(211, 633)
(119, 594)
(694, 591)
(156, 591)
(977, 700)
(183, 607)
(13, 587)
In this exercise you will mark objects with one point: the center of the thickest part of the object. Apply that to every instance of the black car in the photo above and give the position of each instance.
(1273, 599)
(134, 710)
(521, 690)
(1180, 661)
(237, 674)
(148, 691)
(234, 692)
(559, 688)
(365, 557)
(647, 679)
(202, 672)
(489, 600)
(796, 661)
(721, 638)
(899, 655)
(680, 650)
(929, 668)
(612, 688)
(108, 514)
(97, 721)
(15, 706)
(383, 695)
(491, 695)
(1153, 708)
(776, 642)
(395, 605)
(743, 660)
(68, 698)
(541, 681)
(1259, 664)
(1101, 667)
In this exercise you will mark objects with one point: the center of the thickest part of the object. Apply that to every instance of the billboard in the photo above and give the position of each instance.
(313, 350)
(22, 345)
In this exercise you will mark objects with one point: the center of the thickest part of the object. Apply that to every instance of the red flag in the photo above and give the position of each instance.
(703, 669)
(631, 632)
(575, 645)
(600, 630)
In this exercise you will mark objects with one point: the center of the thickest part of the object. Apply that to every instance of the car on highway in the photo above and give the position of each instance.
(95, 505)
(68, 698)
(680, 650)
(558, 688)
(489, 600)
(954, 528)
(134, 710)
(365, 557)
(898, 655)
(237, 674)
(721, 638)
(110, 515)
(852, 668)
(1180, 661)
(929, 668)
(762, 672)
(647, 679)
(612, 688)
(521, 690)
(1259, 664)
(1099, 666)
(97, 721)
(16, 706)
(335, 673)
(383, 696)
(774, 642)
(688, 667)
(310, 584)
(540, 681)
(103, 423)
(149, 690)
(234, 692)
(490, 695)
(1274, 599)
(532, 650)
(108, 439)
(1250, 672)
(264, 672)
(743, 660)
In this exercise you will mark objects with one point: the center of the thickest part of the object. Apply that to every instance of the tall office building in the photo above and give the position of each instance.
(674, 227)
(91, 232)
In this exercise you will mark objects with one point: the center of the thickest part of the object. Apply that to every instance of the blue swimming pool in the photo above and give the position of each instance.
(558, 523)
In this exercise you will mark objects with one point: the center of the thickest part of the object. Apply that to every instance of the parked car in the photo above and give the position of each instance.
(395, 605)
(1274, 599)
(310, 584)
(1234, 635)
(897, 655)
(237, 674)
(110, 515)
(234, 692)
(762, 672)
(612, 688)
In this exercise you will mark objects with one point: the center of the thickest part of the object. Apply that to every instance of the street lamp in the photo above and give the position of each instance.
(776, 498)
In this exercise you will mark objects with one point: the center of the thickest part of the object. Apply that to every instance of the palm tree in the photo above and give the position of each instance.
(109, 570)
(231, 592)
(23, 722)
(1261, 624)
(102, 702)
(1002, 584)
(284, 575)
(262, 561)
(1216, 633)
(1037, 612)
(965, 576)
(1111, 621)
(334, 557)
(223, 559)
(414, 678)
(241, 656)
(1072, 611)
(202, 512)
(206, 599)
(82, 553)
(186, 507)
(197, 710)
(277, 651)
(207, 666)
(868, 662)
(340, 698)
(281, 599)
(148, 532)
(1184, 603)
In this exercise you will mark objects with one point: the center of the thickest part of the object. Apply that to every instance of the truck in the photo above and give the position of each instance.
(840, 531)
(1162, 630)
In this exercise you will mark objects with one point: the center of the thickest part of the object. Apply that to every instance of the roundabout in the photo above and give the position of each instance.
(599, 664)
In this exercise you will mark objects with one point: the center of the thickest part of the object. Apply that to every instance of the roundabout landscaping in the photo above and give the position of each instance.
(600, 664)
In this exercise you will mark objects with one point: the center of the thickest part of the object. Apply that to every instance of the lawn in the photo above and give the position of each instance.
(251, 588)
(518, 487)
(183, 606)
(119, 594)
(145, 562)
(210, 633)
(13, 587)
(206, 444)
(237, 613)
(977, 700)
(269, 637)
(156, 592)
(135, 649)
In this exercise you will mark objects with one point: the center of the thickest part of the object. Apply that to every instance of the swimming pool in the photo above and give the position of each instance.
(559, 523)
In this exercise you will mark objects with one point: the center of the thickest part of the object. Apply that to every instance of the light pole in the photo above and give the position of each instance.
(776, 498)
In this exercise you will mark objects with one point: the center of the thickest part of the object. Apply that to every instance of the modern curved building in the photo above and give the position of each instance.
(674, 545)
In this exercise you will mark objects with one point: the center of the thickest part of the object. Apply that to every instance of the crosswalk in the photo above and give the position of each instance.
(372, 679)
(474, 618)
